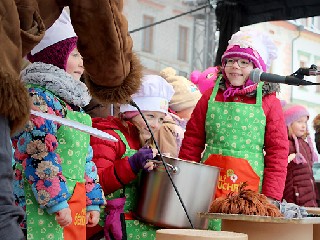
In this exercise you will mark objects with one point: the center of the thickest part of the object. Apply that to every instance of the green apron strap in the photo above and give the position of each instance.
(123, 139)
(216, 87)
(259, 94)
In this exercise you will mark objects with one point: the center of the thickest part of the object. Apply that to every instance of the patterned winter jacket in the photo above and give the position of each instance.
(35, 147)
(300, 185)
(275, 141)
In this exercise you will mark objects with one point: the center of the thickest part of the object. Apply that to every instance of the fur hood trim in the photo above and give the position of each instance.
(122, 93)
(57, 81)
(14, 101)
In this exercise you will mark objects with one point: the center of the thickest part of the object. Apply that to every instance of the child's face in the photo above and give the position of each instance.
(299, 127)
(154, 119)
(75, 64)
(237, 75)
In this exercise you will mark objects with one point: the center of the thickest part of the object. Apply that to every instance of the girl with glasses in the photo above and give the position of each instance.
(237, 121)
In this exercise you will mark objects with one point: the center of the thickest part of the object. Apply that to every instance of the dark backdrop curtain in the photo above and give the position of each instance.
(232, 14)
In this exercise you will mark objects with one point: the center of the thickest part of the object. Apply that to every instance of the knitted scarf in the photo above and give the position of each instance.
(57, 81)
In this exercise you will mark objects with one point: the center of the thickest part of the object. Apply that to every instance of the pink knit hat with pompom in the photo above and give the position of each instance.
(253, 45)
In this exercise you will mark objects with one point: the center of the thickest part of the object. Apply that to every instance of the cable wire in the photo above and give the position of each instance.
(168, 19)
(164, 163)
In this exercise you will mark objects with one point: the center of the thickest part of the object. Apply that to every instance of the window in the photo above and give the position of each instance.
(302, 65)
(304, 59)
(183, 43)
(183, 73)
(303, 21)
(317, 23)
(147, 34)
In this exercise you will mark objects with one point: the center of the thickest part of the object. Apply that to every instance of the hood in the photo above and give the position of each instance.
(112, 123)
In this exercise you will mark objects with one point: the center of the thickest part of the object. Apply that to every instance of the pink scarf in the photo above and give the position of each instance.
(299, 159)
(248, 87)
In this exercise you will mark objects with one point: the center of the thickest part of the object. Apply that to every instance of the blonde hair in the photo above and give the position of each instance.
(291, 133)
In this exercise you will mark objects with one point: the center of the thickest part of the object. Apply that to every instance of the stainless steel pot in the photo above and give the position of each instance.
(158, 202)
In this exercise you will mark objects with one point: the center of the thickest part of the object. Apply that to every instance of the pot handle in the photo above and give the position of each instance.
(171, 167)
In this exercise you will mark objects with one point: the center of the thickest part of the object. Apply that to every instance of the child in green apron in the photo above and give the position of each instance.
(61, 190)
(119, 163)
(238, 120)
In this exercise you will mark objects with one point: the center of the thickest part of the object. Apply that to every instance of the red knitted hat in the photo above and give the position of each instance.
(56, 54)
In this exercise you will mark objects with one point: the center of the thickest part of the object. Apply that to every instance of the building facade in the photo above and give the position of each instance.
(172, 42)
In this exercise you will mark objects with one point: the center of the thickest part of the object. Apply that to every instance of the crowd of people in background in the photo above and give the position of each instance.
(71, 185)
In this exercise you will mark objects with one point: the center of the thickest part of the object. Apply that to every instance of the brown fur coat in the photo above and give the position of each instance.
(113, 71)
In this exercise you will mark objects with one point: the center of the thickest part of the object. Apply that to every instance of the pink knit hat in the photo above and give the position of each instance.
(255, 46)
(57, 44)
(247, 53)
(292, 113)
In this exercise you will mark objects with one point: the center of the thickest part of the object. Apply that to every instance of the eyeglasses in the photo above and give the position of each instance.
(243, 63)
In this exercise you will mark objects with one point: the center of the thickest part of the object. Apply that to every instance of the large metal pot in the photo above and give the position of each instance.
(158, 202)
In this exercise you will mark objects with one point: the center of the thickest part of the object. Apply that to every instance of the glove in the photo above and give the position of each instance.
(139, 159)
(114, 225)
(291, 210)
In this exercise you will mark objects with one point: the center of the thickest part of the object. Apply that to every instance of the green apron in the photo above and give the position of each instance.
(235, 139)
(135, 228)
(73, 150)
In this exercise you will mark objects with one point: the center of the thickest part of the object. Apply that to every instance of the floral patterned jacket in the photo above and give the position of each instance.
(35, 147)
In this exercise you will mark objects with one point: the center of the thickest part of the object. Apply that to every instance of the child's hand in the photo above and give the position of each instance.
(92, 218)
(63, 217)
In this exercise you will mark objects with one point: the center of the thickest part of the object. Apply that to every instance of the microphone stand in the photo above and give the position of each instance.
(132, 103)
(302, 72)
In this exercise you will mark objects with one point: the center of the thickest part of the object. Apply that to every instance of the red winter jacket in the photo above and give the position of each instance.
(300, 186)
(107, 155)
(275, 142)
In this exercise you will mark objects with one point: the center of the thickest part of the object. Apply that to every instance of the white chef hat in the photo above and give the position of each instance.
(60, 30)
(154, 94)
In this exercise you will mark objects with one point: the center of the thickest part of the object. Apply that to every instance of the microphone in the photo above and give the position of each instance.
(132, 103)
(256, 75)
